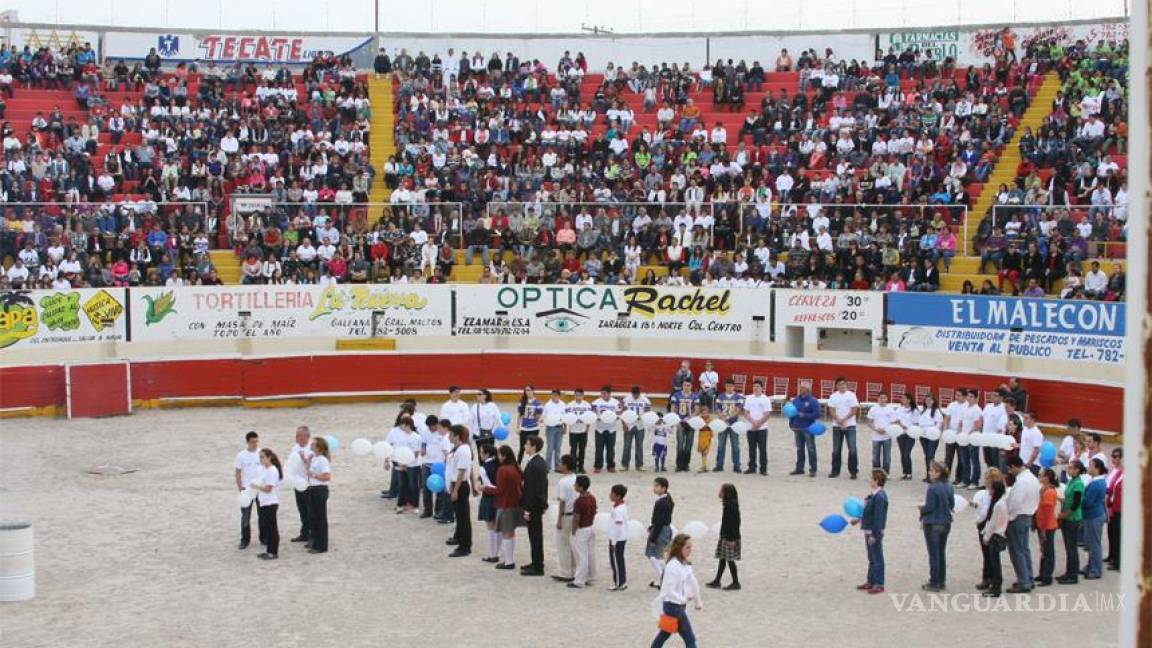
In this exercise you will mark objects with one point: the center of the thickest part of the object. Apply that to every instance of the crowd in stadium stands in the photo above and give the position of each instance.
(858, 180)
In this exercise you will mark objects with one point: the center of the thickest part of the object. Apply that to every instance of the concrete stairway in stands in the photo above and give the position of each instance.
(381, 141)
(227, 265)
(965, 267)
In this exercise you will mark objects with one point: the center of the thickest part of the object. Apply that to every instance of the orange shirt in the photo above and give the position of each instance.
(1046, 512)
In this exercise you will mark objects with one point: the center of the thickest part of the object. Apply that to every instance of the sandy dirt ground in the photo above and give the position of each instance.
(149, 558)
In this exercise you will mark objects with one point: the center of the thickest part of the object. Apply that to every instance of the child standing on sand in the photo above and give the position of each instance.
(728, 546)
(660, 530)
(660, 444)
(704, 440)
(872, 522)
(617, 537)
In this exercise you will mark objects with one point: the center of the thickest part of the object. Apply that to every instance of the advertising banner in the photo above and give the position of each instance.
(175, 47)
(35, 317)
(614, 311)
(289, 311)
(1071, 331)
(841, 309)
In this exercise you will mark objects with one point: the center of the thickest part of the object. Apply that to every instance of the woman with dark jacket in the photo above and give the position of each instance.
(728, 546)
(936, 518)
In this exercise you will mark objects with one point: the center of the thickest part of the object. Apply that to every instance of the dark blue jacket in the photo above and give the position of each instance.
(938, 503)
(875, 516)
(807, 411)
(1094, 499)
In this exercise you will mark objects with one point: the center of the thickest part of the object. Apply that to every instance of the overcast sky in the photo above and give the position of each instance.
(546, 16)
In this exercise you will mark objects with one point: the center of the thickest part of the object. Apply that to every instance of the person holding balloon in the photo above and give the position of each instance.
(684, 403)
(873, 519)
(553, 415)
(298, 460)
(803, 411)
(408, 466)
(930, 418)
(247, 469)
(268, 502)
(484, 418)
(881, 417)
(577, 428)
(905, 416)
(637, 403)
(434, 448)
(319, 476)
(729, 407)
(607, 410)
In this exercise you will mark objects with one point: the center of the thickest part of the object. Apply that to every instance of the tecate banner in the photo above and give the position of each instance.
(1071, 331)
(350, 310)
(230, 48)
(37, 317)
(616, 311)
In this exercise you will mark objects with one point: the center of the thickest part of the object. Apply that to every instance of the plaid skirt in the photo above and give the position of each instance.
(727, 549)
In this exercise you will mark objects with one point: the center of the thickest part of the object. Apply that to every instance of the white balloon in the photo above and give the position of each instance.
(383, 450)
(696, 529)
(914, 431)
(696, 422)
(716, 529)
(607, 416)
(588, 418)
(403, 455)
(601, 523)
(245, 497)
(671, 419)
(932, 433)
(650, 419)
(1007, 442)
(419, 417)
(963, 439)
(636, 530)
(361, 447)
(570, 418)
(949, 436)
(894, 430)
(553, 419)
(718, 425)
(740, 427)
(629, 417)
(977, 439)
(959, 503)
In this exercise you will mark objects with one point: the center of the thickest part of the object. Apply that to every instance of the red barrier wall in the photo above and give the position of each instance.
(1054, 401)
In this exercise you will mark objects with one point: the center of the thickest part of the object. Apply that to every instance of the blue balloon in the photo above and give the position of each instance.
(435, 483)
(834, 523)
(506, 418)
(501, 433)
(817, 428)
(437, 468)
(854, 507)
(333, 442)
(1046, 462)
(1048, 449)
(790, 410)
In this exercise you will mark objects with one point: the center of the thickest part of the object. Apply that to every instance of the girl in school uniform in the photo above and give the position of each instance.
(728, 546)
(930, 418)
(660, 529)
(319, 476)
(489, 466)
(506, 491)
(905, 416)
(268, 502)
(678, 588)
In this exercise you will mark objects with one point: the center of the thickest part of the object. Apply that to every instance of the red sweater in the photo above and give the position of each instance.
(508, 488)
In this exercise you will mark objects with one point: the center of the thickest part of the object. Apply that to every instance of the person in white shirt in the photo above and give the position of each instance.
(565, 501)
(930, 418)
(483, 418)
(434, 449)
(1023, 500)
(268, 502)
(995, 421)
(298, 460)
(248, 470)
(952, 421)
(1095, 282)
(757, 409)
(578, 431)
(618, 537)
(880, 416)
(709, 383)
(995, 527)
(1031, 438)
(605, 443)
(554, 409)
(458, 468)
(319, 476)
(678, 587)
(905, 418)
(843, 406)
(970, 423)
(637, 403)
(454, 409)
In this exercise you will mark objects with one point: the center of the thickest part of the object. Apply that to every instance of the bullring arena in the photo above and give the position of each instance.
(370, 256)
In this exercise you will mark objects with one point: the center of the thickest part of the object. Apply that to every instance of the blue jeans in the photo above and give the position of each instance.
(805, 442)
(470, 252)
(1093, 534)
(1019, 534)
(734, 439)
(882, 455)
(929, 448)
(936, 537)
(685, 630)
(874, 543)
(552, 451)
(631, 433)
(973, 475)
(839, 435)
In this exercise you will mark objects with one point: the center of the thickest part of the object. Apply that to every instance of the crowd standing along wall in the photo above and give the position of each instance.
(767, 332)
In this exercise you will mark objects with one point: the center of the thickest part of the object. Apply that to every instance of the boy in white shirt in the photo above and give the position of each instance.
(554, 410)
(660, 445)
(1031, 438)
(248, 468)
(434, 449)
(880, 416)
(618, 537)
(843, 406)
(578, 431)
(953, 415)
(605, 432)
(757, 409)
(638, 403)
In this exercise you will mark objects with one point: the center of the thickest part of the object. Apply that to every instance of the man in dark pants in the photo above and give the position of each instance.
(247, 469)
(534, 501)
(303, 450)
(684, 404)
(459, 466)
